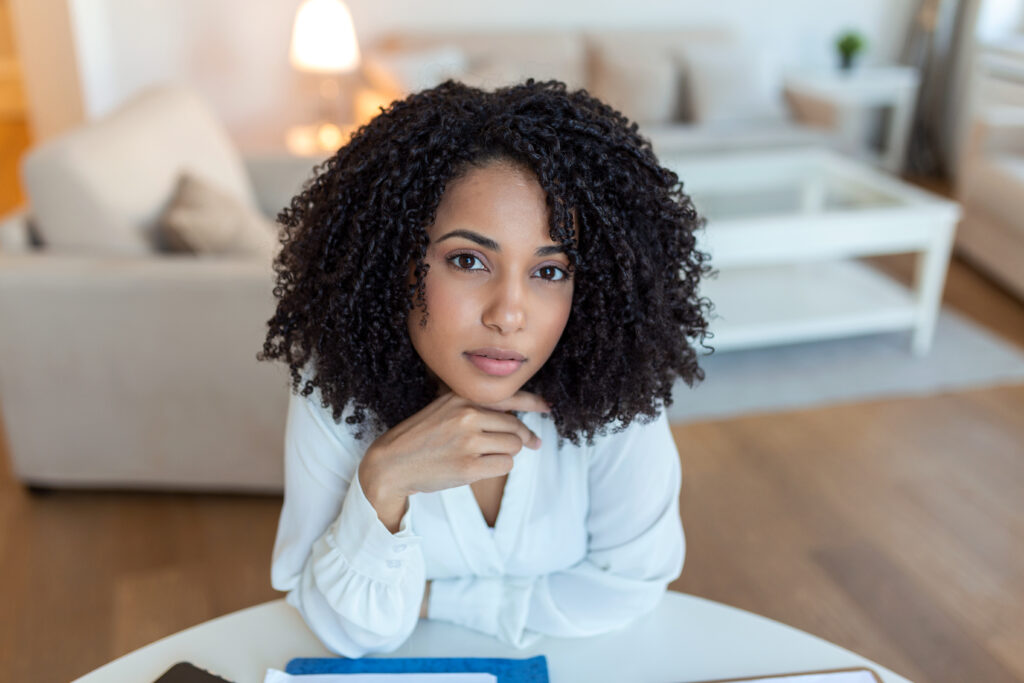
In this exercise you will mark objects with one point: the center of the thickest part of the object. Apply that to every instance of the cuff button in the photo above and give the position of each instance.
(399, 548)
(394, 564)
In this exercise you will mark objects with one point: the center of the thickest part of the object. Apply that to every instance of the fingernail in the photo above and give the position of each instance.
(536, 442)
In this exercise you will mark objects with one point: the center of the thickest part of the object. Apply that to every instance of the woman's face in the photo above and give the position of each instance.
(488, 286)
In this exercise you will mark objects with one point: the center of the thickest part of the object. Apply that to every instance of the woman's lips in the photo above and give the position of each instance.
(491, 366)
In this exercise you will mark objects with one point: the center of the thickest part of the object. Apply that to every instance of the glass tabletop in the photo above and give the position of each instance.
(808, 195)
(735, 186)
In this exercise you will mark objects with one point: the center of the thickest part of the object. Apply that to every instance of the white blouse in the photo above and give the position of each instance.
(586, 539)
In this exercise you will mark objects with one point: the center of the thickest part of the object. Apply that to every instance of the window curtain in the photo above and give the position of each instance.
(938, 39)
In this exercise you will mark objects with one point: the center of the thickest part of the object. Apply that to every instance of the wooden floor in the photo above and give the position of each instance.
(893, 528)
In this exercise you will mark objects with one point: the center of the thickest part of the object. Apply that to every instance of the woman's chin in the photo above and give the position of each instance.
(485, 396)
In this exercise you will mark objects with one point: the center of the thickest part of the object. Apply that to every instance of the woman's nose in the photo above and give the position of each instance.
(506, 308)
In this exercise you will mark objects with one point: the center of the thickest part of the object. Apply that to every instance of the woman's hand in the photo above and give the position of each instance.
(451, 442)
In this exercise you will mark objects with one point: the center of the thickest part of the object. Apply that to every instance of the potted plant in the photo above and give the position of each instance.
(849, 44)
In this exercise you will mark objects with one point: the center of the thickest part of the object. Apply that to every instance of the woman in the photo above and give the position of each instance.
(474, 273)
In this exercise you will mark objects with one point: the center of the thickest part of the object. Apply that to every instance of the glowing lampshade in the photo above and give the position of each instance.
(323, 38)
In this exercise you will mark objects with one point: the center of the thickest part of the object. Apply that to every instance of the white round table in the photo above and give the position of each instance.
(685, 639)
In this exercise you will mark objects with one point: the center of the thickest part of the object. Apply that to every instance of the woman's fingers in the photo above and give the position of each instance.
(491, 465)
(507, 442)
(501, 418)
(494, 422)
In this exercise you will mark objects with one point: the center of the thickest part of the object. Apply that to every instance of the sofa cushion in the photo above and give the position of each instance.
(731, 83)
(204, 219)
(617, 58)
(102, 186)
(642, 84)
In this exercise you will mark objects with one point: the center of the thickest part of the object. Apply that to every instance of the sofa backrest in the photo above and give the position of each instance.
(641, 72)
(490, 59)
(102, 186)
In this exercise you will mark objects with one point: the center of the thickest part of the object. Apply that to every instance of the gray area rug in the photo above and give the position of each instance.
(964, 355)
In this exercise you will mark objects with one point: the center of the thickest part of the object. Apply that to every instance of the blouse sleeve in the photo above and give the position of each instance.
(636, 547)
(358, 586)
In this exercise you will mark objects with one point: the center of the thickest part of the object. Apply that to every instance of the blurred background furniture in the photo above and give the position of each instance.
(846, 100)
(123, 364)
(786, 231)
(689, 89)
(989, 174)
(990, 186)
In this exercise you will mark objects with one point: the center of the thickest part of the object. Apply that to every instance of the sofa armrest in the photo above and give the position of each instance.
(276, 178)
(994, 131)
(999, 130)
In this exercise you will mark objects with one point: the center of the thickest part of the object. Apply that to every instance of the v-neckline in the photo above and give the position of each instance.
(494, 490)
(485, 548)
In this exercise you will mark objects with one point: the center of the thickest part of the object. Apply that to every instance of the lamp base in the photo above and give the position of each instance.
(317, 139)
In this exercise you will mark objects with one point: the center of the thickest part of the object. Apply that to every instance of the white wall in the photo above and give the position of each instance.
(235, 51)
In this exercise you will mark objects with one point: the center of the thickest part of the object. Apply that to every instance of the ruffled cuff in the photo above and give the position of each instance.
(368, 546)
(496, 606)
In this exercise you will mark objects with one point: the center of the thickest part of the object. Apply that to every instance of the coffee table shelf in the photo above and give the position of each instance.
(804, 301)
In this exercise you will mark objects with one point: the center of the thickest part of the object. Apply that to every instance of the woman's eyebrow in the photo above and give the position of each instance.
(488, 243)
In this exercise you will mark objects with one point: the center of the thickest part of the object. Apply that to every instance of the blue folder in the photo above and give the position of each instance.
(532, 670)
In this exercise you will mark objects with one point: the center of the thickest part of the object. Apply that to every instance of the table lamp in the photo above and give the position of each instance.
(324, 43)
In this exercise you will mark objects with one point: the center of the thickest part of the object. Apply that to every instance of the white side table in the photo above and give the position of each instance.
(844, 100)
(686, 638)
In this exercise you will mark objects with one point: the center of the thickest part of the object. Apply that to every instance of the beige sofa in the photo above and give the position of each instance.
(122, 365)
(691, 90)
(990, 186)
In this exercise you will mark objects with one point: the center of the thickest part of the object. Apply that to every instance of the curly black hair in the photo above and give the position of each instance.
(349, 238)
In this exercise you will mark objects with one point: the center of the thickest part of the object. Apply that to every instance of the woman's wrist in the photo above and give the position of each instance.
(385, 499)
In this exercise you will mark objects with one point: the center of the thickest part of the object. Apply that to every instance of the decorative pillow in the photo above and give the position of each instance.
(642, 84)
(730, 83)
(407, 71)
(100, 187)
(204, 219)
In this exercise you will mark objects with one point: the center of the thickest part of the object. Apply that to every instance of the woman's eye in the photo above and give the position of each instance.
(465, 261)
(555, 269)
(458, 260)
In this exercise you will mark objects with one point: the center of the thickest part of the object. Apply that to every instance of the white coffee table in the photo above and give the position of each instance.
(785, 229)
(685, 639)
